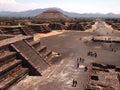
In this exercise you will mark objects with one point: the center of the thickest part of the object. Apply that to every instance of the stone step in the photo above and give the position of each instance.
(14, 76)
(31, 56)
(30, 39)
(3, 52)
(31, 32)
(8, 56)
(41, 49)
(5, 31)
(16, 32)
(8, 66)
(47, 53)
(24, 30)
(49, 59)
(35, 44)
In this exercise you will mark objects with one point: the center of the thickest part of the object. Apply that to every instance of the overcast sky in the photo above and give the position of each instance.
(80, 6)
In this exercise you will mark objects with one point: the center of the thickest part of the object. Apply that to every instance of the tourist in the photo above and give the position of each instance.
(85, 69)
(80, 59)
(58, 54)
(77, 60)
(89, 53)
(74, 83)
(95, 55)
(77, 65)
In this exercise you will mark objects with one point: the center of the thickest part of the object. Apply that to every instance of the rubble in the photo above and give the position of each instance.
(103, 77)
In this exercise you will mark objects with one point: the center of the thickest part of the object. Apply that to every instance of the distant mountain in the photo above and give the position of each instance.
(33, 13)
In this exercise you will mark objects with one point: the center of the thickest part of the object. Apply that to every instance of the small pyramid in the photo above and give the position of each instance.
(52, 14)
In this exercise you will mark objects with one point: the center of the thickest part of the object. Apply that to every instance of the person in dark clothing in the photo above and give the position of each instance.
(91, 53)
(77, 65)
(74, 83)
(80, 59)
(83, 60)
(85, 69)
(95, 55)
(77, 60)
(88, 53)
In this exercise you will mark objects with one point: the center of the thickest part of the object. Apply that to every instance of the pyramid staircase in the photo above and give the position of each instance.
(56, 26)
(11, 69)
(37, 64)
(46, 28)
(20, 56)
(32, 29)
(28, 30)
(44, 53)
(15, 30)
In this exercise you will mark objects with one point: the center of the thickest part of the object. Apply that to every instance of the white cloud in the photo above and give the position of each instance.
(7, 1)
(81, 7)
(12, 5)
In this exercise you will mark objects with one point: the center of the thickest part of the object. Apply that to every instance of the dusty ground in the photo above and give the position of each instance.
(52, 33)
(71, 45)
(94, 27)
(57, 32)
(109, 26)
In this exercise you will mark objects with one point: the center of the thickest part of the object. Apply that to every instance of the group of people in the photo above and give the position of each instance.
(79, 60)
(85, 69)
(74, 83)
(93, 54)
(113, 50)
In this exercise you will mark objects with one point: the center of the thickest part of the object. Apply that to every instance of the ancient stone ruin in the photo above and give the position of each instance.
(57, 26)
(21, 56)
(79, 26)
(52, 15)
(24, 30)
(75, 26)
(36, 28)
(103, 77)
(14, 30)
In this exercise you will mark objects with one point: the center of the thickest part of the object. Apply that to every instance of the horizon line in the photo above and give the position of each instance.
(58, 10)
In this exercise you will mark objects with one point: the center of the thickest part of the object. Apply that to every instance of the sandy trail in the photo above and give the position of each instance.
(94, 27)
(110, 27)
(38, 36)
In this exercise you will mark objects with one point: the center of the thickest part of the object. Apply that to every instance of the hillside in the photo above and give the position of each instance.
(33, 13)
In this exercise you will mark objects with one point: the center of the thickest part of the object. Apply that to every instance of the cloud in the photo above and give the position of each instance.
(7, 1)
(12, 5)
(80, 6)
